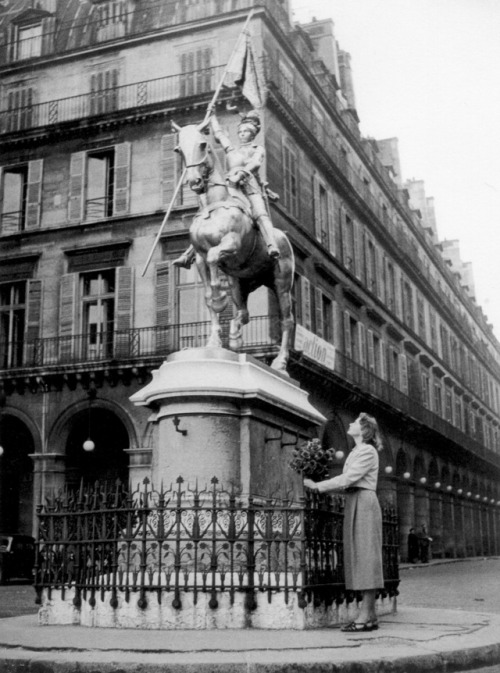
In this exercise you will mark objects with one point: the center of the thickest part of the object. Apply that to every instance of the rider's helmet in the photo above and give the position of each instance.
(252, 121)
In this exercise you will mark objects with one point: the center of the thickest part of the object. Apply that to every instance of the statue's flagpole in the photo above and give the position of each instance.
(207, 116)
(167, 215)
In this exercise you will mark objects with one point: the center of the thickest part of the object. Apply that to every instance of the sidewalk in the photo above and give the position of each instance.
(414, 640)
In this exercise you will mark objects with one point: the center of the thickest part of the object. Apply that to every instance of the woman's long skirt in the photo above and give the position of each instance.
(363, 541)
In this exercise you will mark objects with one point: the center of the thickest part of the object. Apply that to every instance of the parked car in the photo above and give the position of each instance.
(17, 556)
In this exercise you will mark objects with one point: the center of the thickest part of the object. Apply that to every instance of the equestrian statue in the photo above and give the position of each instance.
(233, 232)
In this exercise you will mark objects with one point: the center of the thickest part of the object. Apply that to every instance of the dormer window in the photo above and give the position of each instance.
(110, 18)
(29, 41)
(31, 35)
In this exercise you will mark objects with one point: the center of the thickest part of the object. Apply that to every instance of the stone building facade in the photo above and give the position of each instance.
(87, 92)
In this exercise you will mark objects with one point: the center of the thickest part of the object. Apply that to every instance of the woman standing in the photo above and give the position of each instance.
(362, 518)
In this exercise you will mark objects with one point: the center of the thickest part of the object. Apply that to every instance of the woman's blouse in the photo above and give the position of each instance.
(360, 470)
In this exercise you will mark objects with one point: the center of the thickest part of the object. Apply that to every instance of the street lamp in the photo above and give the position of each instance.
(88, 445)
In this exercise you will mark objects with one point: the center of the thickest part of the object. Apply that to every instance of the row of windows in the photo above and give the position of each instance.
(21, 111)
(96, 307)
(352, 244)
(99, 186)
(383, 357)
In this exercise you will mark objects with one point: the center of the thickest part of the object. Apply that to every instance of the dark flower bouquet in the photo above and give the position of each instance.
(312, 461)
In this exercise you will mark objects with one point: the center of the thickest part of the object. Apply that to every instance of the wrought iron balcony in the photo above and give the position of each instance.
(146, 343)
(123, 345)
(370, 383)
(117, 99)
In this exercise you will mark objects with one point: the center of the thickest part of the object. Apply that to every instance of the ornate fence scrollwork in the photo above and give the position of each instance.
(102, 540)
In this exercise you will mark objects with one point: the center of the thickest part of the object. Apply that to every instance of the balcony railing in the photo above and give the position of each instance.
(369, 382)
(124, 344)
(130, 96)
(259, 337)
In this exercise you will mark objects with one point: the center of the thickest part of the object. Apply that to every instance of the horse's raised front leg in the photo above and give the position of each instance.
(214, 339)
(228, 246)
(241, 318)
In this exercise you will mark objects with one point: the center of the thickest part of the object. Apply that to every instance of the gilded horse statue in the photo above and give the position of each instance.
(225, 237)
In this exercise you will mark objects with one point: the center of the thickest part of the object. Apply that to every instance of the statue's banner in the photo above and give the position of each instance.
(243, 70)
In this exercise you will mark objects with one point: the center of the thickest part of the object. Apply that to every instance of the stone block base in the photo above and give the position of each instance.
(268, 614)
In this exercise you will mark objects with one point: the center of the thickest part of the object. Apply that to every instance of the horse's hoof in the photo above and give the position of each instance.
(280, 366)
(220, 303)
(235, 344)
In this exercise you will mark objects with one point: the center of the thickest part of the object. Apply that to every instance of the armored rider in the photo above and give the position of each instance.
(244, 163)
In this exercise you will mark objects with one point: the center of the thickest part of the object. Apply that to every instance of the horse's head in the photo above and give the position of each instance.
(196, 154)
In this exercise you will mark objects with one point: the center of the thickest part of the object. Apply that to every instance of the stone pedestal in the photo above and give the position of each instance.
(226, 415)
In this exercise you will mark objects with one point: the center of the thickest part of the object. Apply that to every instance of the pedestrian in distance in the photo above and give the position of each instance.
(413, 546)
(362, 518)
(424, 545)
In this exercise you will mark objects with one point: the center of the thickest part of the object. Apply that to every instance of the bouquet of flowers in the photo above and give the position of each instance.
(311, 460)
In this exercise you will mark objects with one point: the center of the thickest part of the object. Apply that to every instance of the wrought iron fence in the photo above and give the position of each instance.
(101, 541)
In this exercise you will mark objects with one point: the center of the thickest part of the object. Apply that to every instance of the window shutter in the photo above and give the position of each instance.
(305, 296)
(76, 186)
(337, 324)
(371, 351)
(403, 372)
(345, 249)
(317, 207)
(398, 289)
(12, 42)
(124, 297)
(33, 205)
(387, 288)
(285, 152)
(383, 361)
(358, 250)
(48, 34)
(121, 196)
(123, 311)
(33, 320)
(169, 168)
(380, 273)
(347, 334)
(318, 305)
(68, 288)
(332, 234)
(164, 307)
(362, 344)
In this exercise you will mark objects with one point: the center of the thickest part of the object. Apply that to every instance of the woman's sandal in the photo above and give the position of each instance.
(355, 627)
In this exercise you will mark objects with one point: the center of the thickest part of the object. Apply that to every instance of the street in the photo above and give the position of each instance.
(462, 585)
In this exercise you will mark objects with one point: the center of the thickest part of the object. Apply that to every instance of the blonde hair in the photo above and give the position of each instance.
(370, 432)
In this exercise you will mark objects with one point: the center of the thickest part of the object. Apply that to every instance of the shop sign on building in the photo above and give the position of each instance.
(314, 347)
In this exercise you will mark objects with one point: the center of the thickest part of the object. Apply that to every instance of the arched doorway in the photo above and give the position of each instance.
(108, 461)
(16, 477)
